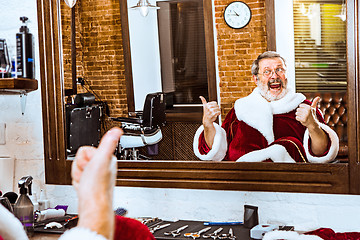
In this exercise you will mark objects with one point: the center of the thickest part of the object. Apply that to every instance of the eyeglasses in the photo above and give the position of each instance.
(268, 73)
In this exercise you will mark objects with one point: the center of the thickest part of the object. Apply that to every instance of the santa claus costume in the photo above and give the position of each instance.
(256, 130)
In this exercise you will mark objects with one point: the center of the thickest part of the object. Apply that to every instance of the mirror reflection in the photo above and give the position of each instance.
(169, 57)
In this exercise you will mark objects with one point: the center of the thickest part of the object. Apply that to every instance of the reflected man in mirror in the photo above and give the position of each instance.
(273, 123)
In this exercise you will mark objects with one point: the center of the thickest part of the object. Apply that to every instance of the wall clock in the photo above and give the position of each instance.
(237, 14)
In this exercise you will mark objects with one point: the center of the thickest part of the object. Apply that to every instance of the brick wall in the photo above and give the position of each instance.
(237, 48)
(100, 58)
(99, 51)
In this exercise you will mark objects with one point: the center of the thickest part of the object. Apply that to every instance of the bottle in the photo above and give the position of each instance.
(34, 200)
(43, 202)
(24, 208)
(24, 52)
(13, 67)
(48, 214)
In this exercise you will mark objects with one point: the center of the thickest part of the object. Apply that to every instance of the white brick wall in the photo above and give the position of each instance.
(24, 143)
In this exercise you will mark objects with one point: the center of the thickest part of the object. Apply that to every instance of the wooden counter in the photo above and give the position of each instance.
(45, 236)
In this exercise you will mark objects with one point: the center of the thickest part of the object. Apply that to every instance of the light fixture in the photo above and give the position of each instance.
(70, 3)
(73, 90)
(143, 6)
(308, 12)
(342, 14)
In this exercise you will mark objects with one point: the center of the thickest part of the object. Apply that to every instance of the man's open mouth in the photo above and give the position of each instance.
(275, 85)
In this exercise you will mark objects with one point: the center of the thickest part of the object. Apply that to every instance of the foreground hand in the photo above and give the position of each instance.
(93, 175)
(306, 114)
(211, 111)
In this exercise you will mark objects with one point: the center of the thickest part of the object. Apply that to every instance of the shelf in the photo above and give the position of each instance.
(17, 85)
(20, 86)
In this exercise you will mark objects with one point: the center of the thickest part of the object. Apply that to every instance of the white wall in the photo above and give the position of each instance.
(285, 36)
(23, 132)
(145, 55)
(24, 143)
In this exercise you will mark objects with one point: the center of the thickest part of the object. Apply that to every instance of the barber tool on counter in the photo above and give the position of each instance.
(197, 234)
(175, 232)
(24, 208)
(158, 227)
(214, 234)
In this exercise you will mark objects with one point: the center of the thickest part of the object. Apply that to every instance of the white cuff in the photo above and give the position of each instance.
(334, 147)
(80, 233)
(219, 147)
(276, 152)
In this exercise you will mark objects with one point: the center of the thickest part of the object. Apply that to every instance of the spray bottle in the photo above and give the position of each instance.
(24, 208)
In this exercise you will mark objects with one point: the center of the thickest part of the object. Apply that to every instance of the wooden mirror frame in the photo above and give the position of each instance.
(341, 178)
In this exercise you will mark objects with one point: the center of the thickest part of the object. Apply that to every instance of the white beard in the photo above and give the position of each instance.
(265, 92)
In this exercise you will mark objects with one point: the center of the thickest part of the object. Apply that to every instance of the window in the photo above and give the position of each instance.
(320, 45)
(182, 50)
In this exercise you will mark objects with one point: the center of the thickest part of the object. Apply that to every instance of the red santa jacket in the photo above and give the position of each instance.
(256, 130)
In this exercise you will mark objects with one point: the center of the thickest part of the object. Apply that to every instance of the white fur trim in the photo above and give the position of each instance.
(80, 233)
(289, 235)
(288, 103)
(10, 227)
(276, 152)
(257, 112)
(219, 147)
(334, 147)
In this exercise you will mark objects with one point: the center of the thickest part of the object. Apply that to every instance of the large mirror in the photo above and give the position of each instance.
(321, 178)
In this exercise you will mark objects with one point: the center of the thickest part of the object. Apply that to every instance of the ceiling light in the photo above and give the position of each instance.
(70, 3)
(143, 6)
(342, 14)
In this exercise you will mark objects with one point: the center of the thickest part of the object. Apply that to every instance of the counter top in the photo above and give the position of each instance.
(45, 236)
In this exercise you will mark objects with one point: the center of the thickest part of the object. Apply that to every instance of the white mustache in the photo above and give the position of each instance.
(276, 81)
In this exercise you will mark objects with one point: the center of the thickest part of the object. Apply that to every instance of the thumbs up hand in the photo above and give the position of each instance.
(306, 114)
(211, 111)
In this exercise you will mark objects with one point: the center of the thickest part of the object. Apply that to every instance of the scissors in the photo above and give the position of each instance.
(195, 235)
(229, 235)
(175, 232)
(152, 230)
(213, 235)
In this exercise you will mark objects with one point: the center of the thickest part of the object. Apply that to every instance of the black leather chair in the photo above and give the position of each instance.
(142, 128)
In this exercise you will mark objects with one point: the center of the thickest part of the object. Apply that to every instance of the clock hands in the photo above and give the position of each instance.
(234, 13)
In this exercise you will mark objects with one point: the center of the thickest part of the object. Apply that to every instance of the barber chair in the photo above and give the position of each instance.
(83, 122)
(142, 128)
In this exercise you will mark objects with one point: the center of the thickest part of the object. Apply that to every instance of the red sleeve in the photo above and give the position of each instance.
(203, 147)
(131, 229)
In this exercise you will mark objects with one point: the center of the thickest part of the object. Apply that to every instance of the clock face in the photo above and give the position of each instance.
(237, 14)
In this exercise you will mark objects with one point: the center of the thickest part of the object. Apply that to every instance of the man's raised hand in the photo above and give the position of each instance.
(306, 114)
(93, 176)
(211, 111)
